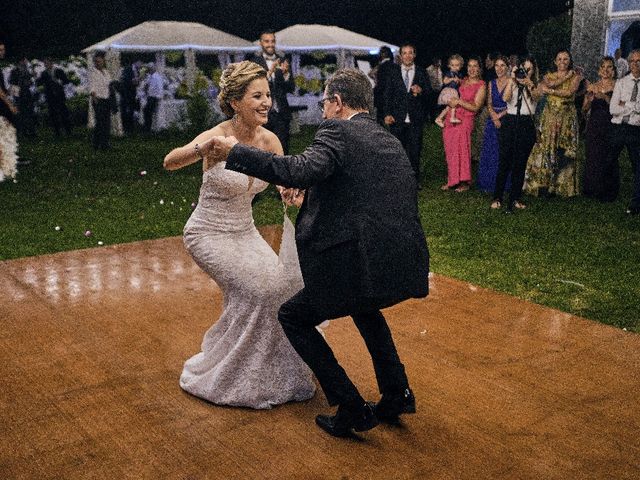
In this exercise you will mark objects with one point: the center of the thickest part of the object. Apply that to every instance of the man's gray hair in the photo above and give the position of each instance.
(354, 88)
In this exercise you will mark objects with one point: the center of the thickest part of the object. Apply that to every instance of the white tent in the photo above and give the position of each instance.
(165, 36)
(301, 38)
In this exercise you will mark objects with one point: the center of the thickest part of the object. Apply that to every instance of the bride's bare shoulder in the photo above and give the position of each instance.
(270, 142)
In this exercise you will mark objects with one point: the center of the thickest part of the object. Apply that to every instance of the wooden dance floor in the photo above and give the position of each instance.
(92, 344)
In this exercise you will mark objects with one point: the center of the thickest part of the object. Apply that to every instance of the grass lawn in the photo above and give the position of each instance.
(577, 255)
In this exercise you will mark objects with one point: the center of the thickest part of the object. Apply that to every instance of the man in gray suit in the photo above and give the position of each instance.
(360, 242)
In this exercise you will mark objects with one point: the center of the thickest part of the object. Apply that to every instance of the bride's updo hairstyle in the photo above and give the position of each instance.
(234, 83)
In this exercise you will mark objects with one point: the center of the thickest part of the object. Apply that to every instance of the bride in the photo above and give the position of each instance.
(246, 360)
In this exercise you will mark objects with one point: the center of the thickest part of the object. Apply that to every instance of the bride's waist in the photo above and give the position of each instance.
(212, 219)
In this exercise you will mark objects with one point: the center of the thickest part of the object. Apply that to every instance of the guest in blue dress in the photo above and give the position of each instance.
(488, 168)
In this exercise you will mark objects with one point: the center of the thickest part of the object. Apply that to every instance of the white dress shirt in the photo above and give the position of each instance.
(99, 81)
(156, 86)
(622, 93)
(435, 77)
(411, 72)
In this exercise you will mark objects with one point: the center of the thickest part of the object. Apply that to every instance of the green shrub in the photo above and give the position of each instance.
(199, 113)
(78, 109)
(545, 38)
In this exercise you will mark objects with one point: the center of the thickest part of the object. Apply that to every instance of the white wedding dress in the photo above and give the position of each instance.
(246, 359)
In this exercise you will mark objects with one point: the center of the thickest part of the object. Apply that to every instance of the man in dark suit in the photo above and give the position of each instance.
(53, 81)
(129, 81)
(280, 82)
(360, 243)
(380, 75)
(405, 104)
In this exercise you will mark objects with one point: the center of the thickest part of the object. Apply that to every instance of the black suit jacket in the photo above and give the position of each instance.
(278, 85)
(53, 85)
(398, 102)
(358, 232)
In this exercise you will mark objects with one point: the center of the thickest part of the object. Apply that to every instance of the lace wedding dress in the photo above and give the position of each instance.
(246, 359)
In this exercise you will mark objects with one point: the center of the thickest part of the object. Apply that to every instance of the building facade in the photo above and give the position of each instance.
(599, 27)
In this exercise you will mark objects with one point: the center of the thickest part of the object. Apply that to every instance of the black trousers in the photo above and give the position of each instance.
(127, 109)
(102, 129)
(59, 115)
(625, 135)
(516, 138)
(302, 313)
(410, 135)
(149, 112)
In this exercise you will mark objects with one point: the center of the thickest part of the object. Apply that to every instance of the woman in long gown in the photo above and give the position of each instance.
(552, 168)
(497, 107)
(246, 360)
(601, 179)
(457, 136)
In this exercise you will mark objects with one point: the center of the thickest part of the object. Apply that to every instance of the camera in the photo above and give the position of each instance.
(521, 72)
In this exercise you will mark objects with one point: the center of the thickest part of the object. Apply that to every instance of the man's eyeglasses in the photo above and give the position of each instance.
(322, 102)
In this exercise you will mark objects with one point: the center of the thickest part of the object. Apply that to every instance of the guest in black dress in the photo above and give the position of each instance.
(601, 178)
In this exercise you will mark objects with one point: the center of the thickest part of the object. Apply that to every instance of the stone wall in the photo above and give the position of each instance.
(588, 34)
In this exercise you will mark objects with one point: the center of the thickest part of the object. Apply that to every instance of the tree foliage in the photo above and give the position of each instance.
(545, 38)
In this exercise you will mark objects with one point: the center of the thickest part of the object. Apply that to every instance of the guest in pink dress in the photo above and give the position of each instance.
(457, 136)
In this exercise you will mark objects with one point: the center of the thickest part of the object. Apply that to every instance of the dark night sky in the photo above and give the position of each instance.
(59, 28)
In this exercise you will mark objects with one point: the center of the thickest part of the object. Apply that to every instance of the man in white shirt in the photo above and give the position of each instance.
(99, 82)
(625, 111)
(434, 72)
(155, 92)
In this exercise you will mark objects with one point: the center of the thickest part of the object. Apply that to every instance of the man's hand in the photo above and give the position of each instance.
(389, 120)
(217, 149)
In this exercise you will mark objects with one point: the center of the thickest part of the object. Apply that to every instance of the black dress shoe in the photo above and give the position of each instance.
(391, 406)
(346, 419)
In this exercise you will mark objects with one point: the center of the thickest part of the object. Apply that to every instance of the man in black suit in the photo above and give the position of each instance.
(380, 75)
(129, 81)
(53, 81)
(360, 243)
(405, 104)
(280, 82)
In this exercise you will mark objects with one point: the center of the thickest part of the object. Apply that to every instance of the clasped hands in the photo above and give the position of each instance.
(291, 196)
(216, 149)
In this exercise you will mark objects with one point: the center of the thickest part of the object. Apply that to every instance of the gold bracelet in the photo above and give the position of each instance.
(196, 147)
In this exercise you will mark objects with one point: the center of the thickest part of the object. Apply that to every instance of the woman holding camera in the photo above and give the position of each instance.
(517, 133)
(552, 164)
